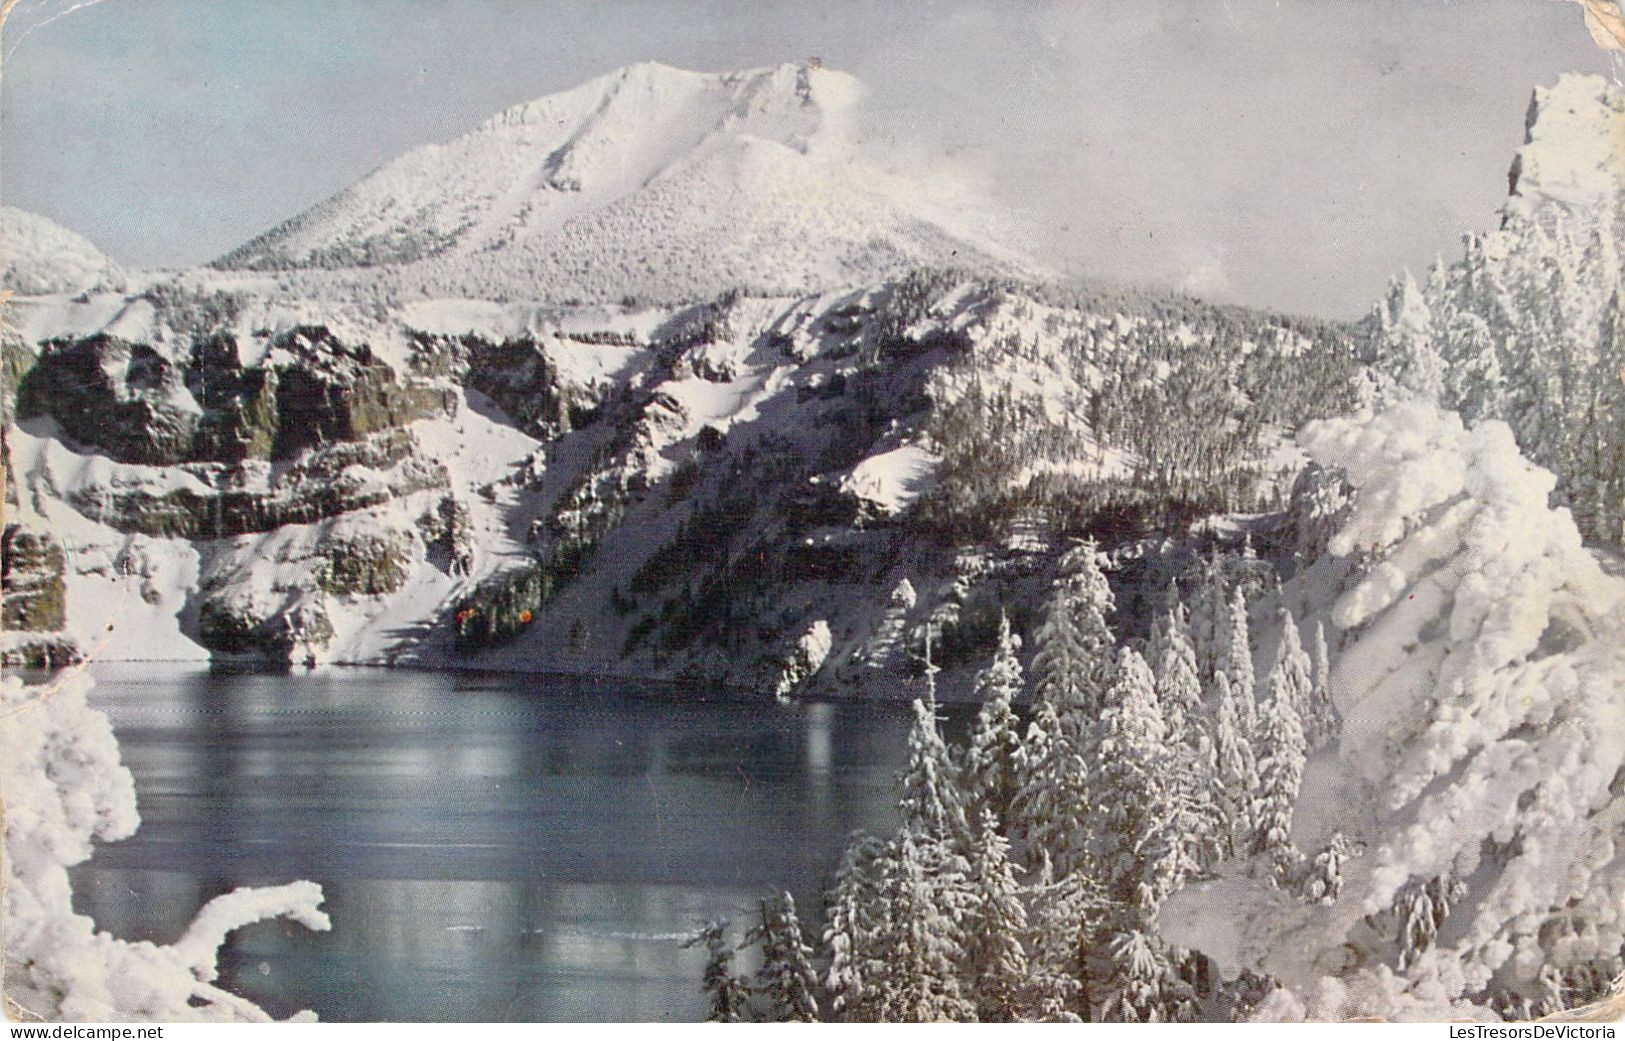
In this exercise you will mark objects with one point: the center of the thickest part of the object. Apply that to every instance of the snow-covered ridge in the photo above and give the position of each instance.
(786, 445)
(651, 182)
(39, 256)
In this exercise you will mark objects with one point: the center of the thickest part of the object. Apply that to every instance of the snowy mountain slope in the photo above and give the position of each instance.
(676, 492)
(650, 182)
(39, 256)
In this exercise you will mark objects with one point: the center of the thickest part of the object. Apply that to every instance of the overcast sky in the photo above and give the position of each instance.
(1291, 154)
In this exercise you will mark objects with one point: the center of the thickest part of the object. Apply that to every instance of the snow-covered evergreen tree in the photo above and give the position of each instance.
(927, 901)
(854, 930)
(995, 955)
(1236, 772)
(1131, 803)
(1236, 660)
(729, 993)
(1062, 918)
(929, 782)
(786, 981)
(1072, 666)
(1323, 876)
(1172, 655)
(1320, 721)
(1295, 671)
(1144, 987)
(1404, 350)
(1073, 646)
(1053, 801)
(993, 758)
(1281, 748)
(1194, 820)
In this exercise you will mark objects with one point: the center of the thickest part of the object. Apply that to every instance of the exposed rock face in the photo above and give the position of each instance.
(1574, 134)
(518, 376)
(284, 637)
(31, 568)
(323, 483)
(138, 406)
(365, 564)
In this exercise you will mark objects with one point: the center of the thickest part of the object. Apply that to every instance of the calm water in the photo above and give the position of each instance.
(491, 847)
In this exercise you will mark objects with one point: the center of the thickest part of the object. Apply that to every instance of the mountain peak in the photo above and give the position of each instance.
(39, 256)
(649, 180)
(1574, 145)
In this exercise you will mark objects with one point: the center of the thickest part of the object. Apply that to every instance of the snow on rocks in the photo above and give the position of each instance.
(1575, 136)
(65, 787)
(891, 481)
(1481, 682)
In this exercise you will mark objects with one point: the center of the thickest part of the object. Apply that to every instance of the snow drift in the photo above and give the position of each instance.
(1482, 680)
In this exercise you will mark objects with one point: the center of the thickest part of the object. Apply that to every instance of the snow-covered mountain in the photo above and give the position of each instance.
(380, 434)
(651, 182)
(39, 256)
(683, 490)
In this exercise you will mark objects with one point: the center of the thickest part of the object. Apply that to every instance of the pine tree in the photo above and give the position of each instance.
(1323, 880)
(855, 930)
(1237, 661)
(1144, 987)
(1404, 352)
(992, 760)
(1131, 804)
(1173, 661)
(1072, 659)
(929, 782)
(1321, 723)
(1072, 666)
(1599, 505)
(1237, 770)
(1208, 607)
(786, 979)
(1421, 908)
(1061, 918)
(998, 921)
(1475, 384)
(1281, 756)
(1293, 666)
(926, 900)
(729, 994)
(1194, 819)
(1053, 801)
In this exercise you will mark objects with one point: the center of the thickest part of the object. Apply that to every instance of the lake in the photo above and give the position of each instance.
(492, 847)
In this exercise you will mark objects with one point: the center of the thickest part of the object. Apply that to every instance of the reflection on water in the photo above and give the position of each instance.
(491, 847)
